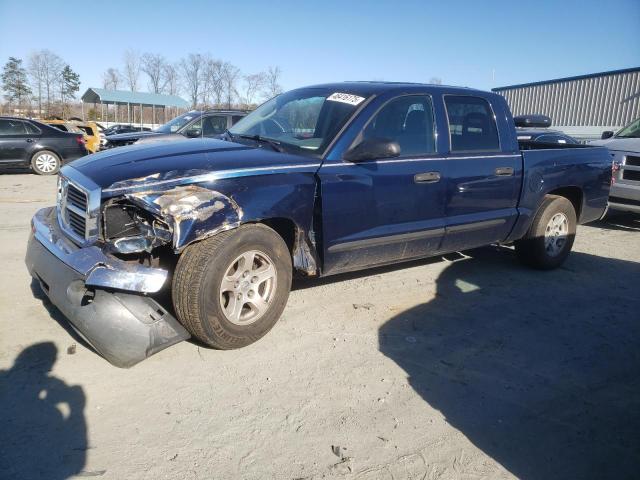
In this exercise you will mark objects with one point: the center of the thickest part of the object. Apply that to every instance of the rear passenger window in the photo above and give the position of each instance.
(472, 126)
(31, 129)
(408, 121)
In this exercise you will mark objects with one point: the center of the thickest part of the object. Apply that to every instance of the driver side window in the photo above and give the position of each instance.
(408, 121)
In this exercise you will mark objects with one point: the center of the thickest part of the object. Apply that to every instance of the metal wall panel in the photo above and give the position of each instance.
(606, 99)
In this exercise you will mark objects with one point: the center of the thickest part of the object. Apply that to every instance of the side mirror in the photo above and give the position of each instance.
(373, 148)
(606, 134)
(193, 133)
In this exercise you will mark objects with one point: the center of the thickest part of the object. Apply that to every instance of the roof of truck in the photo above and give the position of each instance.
(367, 88)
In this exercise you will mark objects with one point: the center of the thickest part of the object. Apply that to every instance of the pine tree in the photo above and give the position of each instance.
(14, 82)
(69, 85)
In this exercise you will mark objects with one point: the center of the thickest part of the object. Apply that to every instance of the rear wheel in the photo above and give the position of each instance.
(230, 290)
(548, 242)
(45, 163)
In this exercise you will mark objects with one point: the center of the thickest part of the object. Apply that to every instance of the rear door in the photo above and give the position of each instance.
(483, 184)
(384, 210)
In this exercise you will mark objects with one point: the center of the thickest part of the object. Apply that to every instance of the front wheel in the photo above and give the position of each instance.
(548, 241)
(230, 290)
(45, 163)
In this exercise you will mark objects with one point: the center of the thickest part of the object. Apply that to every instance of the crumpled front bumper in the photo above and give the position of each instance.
(103, 297)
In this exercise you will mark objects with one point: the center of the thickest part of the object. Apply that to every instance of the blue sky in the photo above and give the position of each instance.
(462, 42)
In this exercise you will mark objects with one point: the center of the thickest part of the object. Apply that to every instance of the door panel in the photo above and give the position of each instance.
(481, 204)
(15, 142)
(375, 212)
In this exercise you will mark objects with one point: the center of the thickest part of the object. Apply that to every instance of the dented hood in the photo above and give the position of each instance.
(181, 158)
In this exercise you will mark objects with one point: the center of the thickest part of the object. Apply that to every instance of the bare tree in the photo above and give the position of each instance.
(111, 79)
(230, 76)
(192, 67)
(170, 79)
(45, 68)
(272, 85)
(251, 86)
(36, 74)
(213, 85)
(132, 69)
(153, 65)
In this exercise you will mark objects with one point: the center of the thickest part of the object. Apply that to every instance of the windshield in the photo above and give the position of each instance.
(177, 123)
(305, 120)
(630, 131)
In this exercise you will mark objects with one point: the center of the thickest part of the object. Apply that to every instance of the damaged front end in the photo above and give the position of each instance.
(102, 254)
(179, 215)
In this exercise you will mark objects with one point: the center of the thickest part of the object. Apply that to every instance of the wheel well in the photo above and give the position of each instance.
(284, 227)
(573, 194)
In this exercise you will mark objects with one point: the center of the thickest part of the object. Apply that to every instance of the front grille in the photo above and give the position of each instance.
(634, 161)
(73, 210)
(633, 175)
(78, 223)
(76, 197)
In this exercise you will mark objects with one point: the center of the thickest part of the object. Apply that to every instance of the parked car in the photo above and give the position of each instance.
(625, 150)
(194, 124)
(316, 181)
(121, 128)
(91, 135)
(43, 148)
(535, 128)
(63, 126)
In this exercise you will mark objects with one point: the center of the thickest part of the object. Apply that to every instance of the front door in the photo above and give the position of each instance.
(15, 141)
(385, 210)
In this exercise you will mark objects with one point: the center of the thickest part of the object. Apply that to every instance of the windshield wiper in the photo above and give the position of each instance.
(257, 138)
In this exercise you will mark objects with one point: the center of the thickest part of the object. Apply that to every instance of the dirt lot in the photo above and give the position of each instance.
(469, 367)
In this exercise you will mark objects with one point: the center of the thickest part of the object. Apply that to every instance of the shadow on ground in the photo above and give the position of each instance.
(626, 222)
(43, 434)
(540, 370)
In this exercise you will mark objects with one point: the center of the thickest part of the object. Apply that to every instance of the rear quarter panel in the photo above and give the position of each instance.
(545, 171)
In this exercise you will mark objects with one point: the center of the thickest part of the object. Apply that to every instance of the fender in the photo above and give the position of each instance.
(195, 211)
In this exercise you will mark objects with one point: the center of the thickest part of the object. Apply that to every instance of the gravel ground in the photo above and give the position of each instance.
(468, 367)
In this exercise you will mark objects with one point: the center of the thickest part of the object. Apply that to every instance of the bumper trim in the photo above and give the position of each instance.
(125, 328)
(100, 269)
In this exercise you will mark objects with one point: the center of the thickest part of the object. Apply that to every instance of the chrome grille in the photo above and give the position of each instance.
(73, 210)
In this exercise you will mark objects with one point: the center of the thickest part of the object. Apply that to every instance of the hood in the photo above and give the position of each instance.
(619, 144)
(127, 137)
(173, 160)
(160, 137)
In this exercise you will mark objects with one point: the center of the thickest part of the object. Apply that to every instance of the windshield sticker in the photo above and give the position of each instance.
(345, 98)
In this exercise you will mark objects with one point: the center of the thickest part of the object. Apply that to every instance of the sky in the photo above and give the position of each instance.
(480, 44)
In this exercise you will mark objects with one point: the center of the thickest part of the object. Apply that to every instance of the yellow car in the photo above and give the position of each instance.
(91, 135)
(89, 131)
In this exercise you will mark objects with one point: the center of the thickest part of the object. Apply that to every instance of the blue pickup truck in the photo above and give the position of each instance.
(317, 181)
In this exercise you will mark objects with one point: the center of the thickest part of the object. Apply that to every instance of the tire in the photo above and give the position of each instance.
(45, 162)
(204, 303)
(548, 241)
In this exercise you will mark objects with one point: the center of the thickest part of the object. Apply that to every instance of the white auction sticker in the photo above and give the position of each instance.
(345, 98)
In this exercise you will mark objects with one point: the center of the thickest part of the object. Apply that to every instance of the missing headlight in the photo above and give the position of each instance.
(129, 229)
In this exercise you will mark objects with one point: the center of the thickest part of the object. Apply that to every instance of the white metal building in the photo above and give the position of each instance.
(582, 106)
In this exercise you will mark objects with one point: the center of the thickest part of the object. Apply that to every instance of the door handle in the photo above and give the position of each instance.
(29, 140)
(427, 177)
(504, 171)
